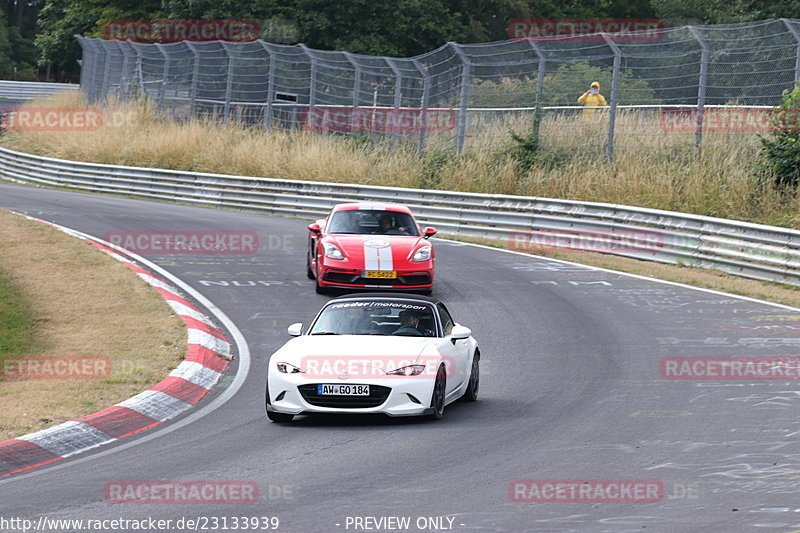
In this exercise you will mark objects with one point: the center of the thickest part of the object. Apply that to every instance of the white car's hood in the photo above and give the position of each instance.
(375, 351)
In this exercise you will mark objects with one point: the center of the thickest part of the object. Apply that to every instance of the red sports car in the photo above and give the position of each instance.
(370, 245)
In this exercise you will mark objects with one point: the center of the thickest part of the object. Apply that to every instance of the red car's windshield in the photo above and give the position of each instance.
(372, 222)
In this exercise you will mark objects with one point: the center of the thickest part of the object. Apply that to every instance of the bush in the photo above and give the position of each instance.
(779, 157)
(561, 87)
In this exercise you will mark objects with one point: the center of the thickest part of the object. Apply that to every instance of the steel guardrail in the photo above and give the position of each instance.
(26, 90)
(744, 249)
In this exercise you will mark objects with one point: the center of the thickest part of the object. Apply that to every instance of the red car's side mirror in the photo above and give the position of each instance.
(429, 232)
(314, 227)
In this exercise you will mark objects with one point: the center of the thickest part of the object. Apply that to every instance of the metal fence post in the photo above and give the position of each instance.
(229, 81)
(612, 115)
(357, 77)
(426, 94)
(164, 81)
(312, 88)
(466, 80)
(398, 94)
(312, 85)
(267, 120)
(106, 67)
(701, 89)
(96, 82)
(140, 73)
(796, 36)
(195, 77)
(123, 74)
(537, 122)
(86, 63)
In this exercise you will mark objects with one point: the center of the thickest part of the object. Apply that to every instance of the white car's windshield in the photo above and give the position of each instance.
(372, 222)
(376, 317)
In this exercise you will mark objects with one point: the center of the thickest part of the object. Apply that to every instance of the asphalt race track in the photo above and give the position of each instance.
(570, 389)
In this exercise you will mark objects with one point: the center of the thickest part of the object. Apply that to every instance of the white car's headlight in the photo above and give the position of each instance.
(411, 370)
(286, 368)
(423, 254)
(332, 251)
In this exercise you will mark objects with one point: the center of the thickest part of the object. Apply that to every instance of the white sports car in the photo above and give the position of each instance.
(374, 353)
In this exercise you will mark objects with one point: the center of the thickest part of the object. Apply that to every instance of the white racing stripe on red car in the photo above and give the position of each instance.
(377, 253)
(371, 206)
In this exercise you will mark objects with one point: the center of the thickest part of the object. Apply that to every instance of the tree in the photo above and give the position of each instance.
(401, 28)
(61, 20)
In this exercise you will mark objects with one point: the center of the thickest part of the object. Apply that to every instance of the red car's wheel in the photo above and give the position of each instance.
(320, 289)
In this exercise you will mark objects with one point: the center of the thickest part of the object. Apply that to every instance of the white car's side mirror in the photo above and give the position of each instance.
(460, 332)
(296, 329)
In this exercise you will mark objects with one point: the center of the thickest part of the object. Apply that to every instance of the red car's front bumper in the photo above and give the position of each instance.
(416, 279)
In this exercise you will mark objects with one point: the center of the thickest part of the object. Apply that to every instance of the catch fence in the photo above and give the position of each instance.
(682, 87)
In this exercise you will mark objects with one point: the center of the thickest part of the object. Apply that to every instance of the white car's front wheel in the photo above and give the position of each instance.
(438, 395)
(474, 379)
(272, 415)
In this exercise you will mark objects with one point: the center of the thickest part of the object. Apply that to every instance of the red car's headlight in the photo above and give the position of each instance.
(332, 251)
(423, 254)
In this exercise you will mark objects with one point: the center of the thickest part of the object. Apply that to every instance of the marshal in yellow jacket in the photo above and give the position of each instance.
(592, 98)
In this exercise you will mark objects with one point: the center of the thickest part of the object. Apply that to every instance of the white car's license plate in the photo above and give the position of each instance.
(342, 390)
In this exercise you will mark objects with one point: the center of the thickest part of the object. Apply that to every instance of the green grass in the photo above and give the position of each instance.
(16, 321)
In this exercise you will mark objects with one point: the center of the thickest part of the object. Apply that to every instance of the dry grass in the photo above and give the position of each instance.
(652, 168)
(84, 304)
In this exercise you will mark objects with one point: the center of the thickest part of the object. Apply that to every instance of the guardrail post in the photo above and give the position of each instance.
(267, 121)
(703, 83)
(537, 122)
(466, 80)
(796, 36)
(612, 115)
(426, 94)
(398, 94)
(195, 78)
